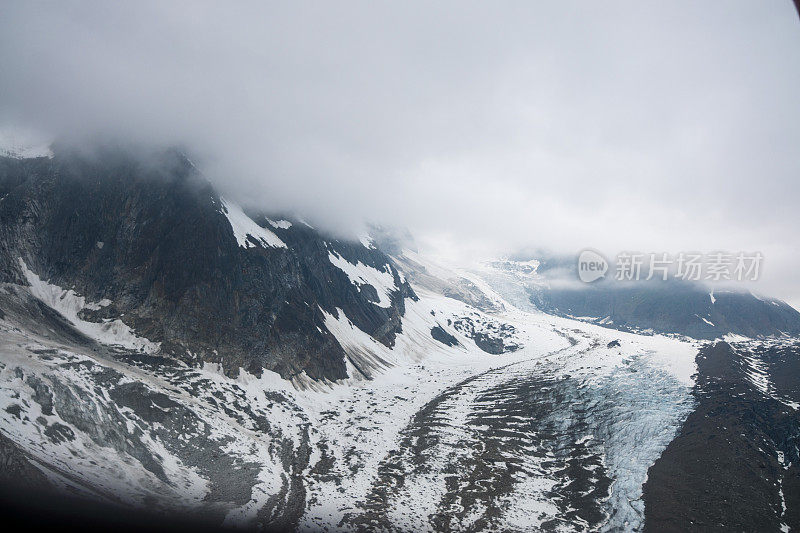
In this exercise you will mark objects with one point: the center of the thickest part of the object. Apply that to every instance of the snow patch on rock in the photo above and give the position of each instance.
(246, 230)
(18, 144)
(68, 303)
(279, 224)
(361, 274)
(367, 241)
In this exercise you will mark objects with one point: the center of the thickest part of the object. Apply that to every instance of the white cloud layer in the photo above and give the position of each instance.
(658, 126)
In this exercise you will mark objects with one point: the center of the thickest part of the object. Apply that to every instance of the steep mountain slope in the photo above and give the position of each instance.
(148, 243)
(162, 348)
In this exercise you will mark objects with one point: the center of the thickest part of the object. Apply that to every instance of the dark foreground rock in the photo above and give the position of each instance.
(733, 466)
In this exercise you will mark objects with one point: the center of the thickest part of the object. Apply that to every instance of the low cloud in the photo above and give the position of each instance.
(493, 127)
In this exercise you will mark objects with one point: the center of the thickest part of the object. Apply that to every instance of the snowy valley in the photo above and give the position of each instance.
(306, 383)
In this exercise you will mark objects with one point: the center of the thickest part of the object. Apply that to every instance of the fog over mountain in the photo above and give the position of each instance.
(312, 266)
(664, 127)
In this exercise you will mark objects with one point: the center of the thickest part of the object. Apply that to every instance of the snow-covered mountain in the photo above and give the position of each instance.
(684, 307)
(691, 308)
(163, 348)
(108, 236)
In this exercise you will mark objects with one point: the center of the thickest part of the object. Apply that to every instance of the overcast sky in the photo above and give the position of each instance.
(483, 127)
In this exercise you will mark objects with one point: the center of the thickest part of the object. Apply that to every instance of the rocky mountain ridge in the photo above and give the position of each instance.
(153, 245)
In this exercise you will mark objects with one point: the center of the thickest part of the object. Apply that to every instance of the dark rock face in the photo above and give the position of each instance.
(16, 471)
(152, 237)
(734, 464)
(438, 333)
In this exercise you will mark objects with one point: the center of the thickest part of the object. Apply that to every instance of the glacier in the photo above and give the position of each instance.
(557, 434)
